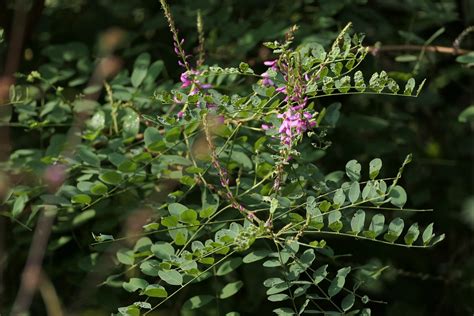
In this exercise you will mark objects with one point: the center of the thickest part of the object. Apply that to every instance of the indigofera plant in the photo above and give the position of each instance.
(227, 165)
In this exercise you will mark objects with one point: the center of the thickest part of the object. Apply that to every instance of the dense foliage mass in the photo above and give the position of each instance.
(236, 167)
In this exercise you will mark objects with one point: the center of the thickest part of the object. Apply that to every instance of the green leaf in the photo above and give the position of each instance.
(150, 267)
(230, 289)
(256, 255)
(353, 169)
(127, 166)
(277, 288)
(467, 115)
(162, 250)
(354, 192)
(111, 177)
(155, 70)
(307, 258)
(83, 217)
(395, 229)
(320, 274)
(348, 302)
(339, 197)
(84, 186)
(210, 203)
(172, 277)
(129, 311)
(144, 305)
(97, 121)
(338, 282)
(412, 234)
(398, 196)
(410, 85)
(357, 221)
(374, 168)
(98, 188)
(151, 135)
(142, 244)
(81, 199)
(155, 290)
(242, 159)
(273, 205)
(151, 227)
(325, 206)
(135, 284)
(229, 266)
(198, 301)
(154, 146)
(173, 134)
(376, 226)
(125, 256)
(334, 221)
(140, 69)
(176, 209)
(169, 221)
(336, 68)
(466, 58)
(343, 84)
(336, 285)
(284, 311)
(180, 236)
(189, 216)
(131, 124)
(278, 297)
(393, 86)
(359, 81)
(427, 234)
(88, 157)
(19, 204)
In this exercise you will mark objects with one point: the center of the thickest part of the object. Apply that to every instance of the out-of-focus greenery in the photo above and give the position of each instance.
(66, 37)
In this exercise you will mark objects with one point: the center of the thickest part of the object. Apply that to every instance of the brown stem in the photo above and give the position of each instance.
(32, 272)
(436, 49)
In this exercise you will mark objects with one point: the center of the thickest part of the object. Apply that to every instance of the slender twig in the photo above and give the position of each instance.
(432, 48)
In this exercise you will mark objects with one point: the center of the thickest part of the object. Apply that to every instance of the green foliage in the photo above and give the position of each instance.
(222, 194)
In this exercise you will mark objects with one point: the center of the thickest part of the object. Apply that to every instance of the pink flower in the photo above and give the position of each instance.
(293, 124)
(188, 78)
(267, 82)
(281, 90)
(185, 80)
(271, 63)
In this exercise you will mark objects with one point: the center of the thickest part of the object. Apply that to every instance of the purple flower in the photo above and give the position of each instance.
(188, 78)
(281, 90)
(185, 80)
(293, 124)
(267, 82)
(271, 63)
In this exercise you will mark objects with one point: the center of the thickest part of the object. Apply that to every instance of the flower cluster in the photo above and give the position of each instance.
(266, 81)
(189, 79)
(295, 120)
(293, 124)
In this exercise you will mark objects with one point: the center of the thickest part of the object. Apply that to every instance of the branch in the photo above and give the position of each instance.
(436, 49)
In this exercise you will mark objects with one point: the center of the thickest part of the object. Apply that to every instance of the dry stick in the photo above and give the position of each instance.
(436, 49)
(32, 271)
(50, 296)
